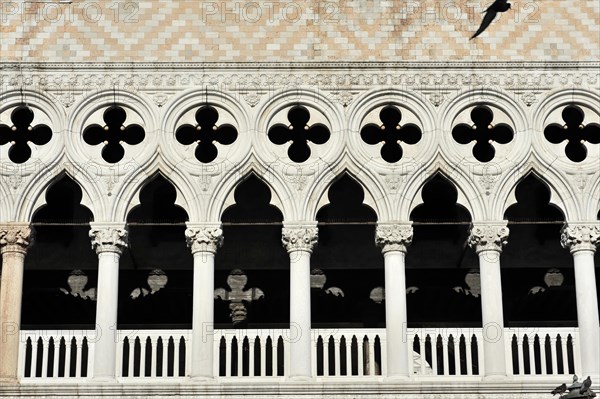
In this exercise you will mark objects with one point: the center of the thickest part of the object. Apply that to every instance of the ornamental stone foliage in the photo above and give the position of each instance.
(488, 237)
(483, 133)
(21, 133)
(578, 237)
(108, 239)
(206, 133)
(299, 238)
(391, 133)
(16, 237)
(113, 134)
(204, 239)
(575, 132)
(393, 237)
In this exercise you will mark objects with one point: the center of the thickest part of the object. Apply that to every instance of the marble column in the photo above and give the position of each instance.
(15, 239)
(582, 239)
(488, 239)
(299, 241)
(203, 240)
(108, 240)
(393, 240)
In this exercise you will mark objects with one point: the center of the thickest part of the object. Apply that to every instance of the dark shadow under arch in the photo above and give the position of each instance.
(252, 243)
(537, 273)
(347, 255)
(60, 268)
(155, 279)
(441, 270)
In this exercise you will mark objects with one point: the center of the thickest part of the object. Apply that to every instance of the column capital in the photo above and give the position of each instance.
(393, 236)
(108, 237)
(16, 237)
(580, 236)
(300, 237)
(204, 237)
(488, 236)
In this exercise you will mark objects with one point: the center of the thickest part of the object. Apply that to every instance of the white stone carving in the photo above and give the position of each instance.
(577, 237)
(299, 238)
(488, 237)
(204, 239)
(108, 239)
(393, 237)
(16, 237)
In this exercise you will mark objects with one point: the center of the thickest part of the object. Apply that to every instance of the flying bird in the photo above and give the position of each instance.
(587, 383)
(496, 7)
(560, 389)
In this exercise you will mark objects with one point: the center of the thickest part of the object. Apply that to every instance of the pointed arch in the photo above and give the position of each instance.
(223, 196)
(468, 195)
(562, 194)
(375, 196)
(127, 195)
(33, 196)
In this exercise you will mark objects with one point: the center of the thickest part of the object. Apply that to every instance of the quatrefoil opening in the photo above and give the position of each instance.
(483, 132)
(113, 134)
(299, 133)
(391, 134)
(206, 133)
(21, 134)
(575, 132)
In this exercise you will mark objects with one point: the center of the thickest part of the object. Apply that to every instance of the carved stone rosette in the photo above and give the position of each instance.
(16, 237)
(488, 236)
(299, 238)
(579, 237)
(393, 237)
(204, 239)
(108, 239)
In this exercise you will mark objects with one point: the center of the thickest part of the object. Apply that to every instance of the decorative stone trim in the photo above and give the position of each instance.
(299, 238)
(393, 237)
(488, 236)
(108, 238)
(16, 237)
(203, 238)
(580, 237)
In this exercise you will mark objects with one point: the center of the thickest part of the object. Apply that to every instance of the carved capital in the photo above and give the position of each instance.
(204, 238)
(393, 237)
(579, 237)
(16, 237)
(488, 236)
(108, 237)
(299, 238)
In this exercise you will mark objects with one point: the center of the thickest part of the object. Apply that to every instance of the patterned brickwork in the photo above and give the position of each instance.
(265, 31)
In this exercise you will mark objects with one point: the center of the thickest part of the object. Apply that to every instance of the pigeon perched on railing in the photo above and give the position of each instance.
(587, 383)
(559, 390)
(496, 7)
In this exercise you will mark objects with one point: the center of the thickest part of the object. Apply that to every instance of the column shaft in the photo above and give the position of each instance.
(300, 320)
(395, 314)
(15, 239)
(10, 313)
(299, 241)
(587, 312)
(204, 240)
(106, 316)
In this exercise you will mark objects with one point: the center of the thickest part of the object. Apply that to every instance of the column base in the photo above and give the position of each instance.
(104, 380)
(201, 378)
(299, 378)
(392, 379)
(495, 377)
